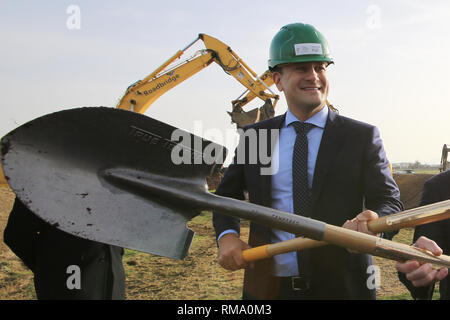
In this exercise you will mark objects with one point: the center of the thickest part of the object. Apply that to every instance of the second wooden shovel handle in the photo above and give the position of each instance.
(408, 218)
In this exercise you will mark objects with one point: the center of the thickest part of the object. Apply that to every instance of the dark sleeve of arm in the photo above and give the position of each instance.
(382, 194)
(232, 185)
(431, 231)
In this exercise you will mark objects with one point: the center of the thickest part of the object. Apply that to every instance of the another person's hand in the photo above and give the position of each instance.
(423, 274)
(359, 223)
(230, 252)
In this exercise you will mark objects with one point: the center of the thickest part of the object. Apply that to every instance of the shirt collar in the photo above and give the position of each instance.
(319, 119)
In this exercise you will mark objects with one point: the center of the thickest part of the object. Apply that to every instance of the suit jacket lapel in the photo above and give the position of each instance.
(266, 180)
(327, 152)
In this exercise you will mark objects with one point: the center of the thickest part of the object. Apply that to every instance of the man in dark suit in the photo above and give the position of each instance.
(435, 189)
(65, 267)
(347, 171)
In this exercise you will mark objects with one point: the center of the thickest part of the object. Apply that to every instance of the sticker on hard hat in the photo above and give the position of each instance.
(307, 48)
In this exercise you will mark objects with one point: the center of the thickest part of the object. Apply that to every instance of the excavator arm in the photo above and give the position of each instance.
(248, 95)
(140, 95)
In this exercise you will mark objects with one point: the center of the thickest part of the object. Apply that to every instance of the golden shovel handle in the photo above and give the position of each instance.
(405, 219)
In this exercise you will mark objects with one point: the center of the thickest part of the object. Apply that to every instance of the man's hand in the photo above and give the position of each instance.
(230, 252)
(359, 223)
(423, 275)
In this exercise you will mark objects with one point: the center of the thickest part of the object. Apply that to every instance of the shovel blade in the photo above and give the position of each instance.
(54, 165)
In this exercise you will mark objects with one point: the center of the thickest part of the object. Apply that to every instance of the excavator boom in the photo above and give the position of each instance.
(140, 95)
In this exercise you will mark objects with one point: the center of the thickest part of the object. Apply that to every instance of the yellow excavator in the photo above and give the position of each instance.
(141, 94)
(445, 150)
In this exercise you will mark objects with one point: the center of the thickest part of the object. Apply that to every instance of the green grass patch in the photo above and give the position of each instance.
(426, 171)
(198, 238)
(130, 253)
(404, 296)
(405, 236)
(407, 296)
(204, 216)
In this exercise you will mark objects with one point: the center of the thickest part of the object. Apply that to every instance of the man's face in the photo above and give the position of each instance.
(305, 84)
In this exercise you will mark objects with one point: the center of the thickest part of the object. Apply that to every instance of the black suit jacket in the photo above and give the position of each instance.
(435, 189)
(351, 173)
(48, 252)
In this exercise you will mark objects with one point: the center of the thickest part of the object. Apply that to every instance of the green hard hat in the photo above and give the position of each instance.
(298, 42)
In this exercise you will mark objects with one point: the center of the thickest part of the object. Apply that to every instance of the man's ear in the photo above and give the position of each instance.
(276, 76)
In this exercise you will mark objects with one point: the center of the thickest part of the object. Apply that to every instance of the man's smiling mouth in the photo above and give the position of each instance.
(311, 88)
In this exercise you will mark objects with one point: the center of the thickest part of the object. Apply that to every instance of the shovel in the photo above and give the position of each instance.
(124, 179)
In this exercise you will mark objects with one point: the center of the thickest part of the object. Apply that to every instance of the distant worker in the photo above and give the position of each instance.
(65, 267)
(435, 189)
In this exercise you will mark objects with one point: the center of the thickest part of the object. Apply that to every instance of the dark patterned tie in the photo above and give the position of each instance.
(300, 190)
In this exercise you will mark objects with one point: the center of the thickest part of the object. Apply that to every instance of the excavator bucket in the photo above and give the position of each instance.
(244, 118)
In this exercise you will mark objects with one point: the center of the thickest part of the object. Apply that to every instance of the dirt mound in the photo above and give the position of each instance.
(411, 186)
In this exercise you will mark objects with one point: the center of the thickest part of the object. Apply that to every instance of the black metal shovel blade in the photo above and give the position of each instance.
(54, 164)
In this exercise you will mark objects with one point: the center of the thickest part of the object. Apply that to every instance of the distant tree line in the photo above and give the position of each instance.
(415, 166)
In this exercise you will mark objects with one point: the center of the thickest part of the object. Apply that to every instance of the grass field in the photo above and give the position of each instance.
(426, 171)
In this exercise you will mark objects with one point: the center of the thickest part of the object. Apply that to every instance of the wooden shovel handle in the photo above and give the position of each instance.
(270, 250)
(408, 218)
(352, 240)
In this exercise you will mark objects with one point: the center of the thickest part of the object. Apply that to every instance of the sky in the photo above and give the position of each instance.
(391, 61)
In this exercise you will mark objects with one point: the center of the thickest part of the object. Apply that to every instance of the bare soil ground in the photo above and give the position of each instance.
(411, 188)
(2, 177)
(196, 277)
